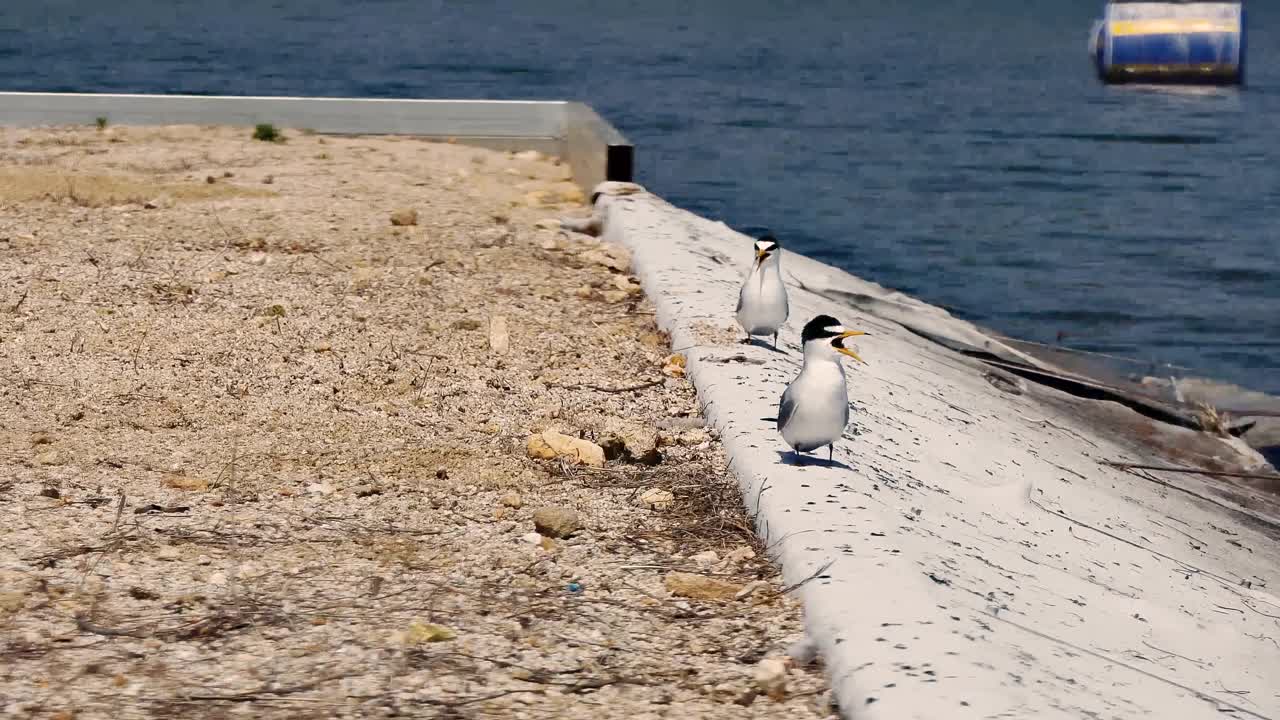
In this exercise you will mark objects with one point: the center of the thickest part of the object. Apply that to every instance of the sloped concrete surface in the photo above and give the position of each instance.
(971, 556)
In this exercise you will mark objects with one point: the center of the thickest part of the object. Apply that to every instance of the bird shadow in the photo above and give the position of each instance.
(762, 344)
(795, 459)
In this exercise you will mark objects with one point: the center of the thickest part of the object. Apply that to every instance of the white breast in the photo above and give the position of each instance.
(762, 302)
(822, 407)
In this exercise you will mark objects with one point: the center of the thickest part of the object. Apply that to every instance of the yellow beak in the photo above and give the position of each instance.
(760, 256)
(847, 351)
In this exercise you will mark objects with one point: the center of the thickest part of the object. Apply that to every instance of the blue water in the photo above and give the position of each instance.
(961, 151)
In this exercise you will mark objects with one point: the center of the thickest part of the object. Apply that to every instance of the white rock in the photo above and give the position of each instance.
(656, 499)
(770, 677)
(706, 559)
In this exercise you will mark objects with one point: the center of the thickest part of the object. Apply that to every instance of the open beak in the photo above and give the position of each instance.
(846, 351)
(760, 256)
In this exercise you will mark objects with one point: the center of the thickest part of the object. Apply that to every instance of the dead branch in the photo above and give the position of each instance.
(89, 626)
(822, 570)
(597, 388)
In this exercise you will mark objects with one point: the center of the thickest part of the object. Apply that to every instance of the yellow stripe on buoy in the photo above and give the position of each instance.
(1171, 26)
(1176, 68)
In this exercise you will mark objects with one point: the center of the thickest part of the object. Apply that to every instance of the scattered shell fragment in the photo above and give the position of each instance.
(656, 499)
(673, 365)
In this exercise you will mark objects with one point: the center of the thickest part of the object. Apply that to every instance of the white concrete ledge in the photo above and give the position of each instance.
(595, 149)
(982, 562)
(438, 118)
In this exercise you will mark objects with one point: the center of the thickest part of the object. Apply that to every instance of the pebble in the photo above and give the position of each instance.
(673, 365)
(705, 559)
(557, 522)
(699, 587)
(48, 457)
(549, 445)
(614, 258)
(770, 677)
(321, 488)
(656, 499)
(401, 218)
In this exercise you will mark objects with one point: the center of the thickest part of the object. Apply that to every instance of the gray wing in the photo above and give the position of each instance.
(785, 408)
(738, 309)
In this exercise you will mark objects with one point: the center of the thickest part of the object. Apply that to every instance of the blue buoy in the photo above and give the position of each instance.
(1187, 43)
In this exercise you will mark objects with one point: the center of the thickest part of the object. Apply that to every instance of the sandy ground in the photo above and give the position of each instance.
(265, 453)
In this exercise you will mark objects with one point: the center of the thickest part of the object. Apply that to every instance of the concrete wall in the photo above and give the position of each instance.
(969, 554)
(594, 149)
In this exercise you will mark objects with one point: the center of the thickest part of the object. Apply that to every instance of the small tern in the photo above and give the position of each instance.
(815, 407)
(762, 302)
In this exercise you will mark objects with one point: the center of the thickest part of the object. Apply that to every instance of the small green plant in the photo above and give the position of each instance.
(266, 132)
(101, 122)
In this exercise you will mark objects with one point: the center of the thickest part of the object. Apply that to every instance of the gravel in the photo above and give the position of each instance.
(264, 452)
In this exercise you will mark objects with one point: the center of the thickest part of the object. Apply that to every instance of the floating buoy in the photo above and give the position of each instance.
(1188, 43)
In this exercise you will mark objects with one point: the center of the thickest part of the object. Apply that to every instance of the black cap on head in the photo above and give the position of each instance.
(820, 327)
(769, 238)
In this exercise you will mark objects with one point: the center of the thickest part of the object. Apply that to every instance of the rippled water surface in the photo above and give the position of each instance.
(961, 151)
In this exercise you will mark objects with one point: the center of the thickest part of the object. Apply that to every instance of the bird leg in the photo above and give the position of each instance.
(831, 453)
(775, 341)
